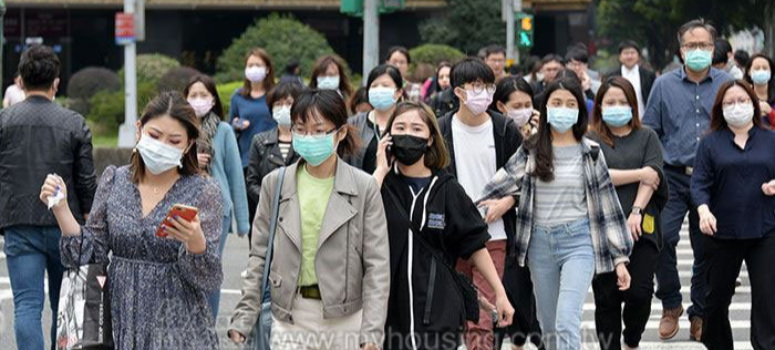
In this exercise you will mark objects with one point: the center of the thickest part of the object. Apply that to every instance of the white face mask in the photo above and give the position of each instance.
(739, 115)
(282, 115)
(255, 74)
(158, 156)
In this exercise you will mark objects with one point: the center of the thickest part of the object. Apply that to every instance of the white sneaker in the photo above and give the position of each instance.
(244, 273)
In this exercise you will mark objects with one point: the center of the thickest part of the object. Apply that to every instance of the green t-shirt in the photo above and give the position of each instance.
(313, 200)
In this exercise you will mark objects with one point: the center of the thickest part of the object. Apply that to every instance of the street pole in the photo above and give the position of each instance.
(370, 37)
(509, 15)
(127, 131)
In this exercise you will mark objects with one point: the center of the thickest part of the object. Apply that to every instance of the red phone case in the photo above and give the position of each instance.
(180, 210)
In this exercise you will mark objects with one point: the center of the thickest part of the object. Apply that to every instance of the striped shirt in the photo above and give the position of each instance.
(285, 148)
(564, 199)
(611, 240)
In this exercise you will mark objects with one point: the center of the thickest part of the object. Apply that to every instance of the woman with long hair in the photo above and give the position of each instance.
(569, 227)
(249, 113)
(330, 74)
(219, 157)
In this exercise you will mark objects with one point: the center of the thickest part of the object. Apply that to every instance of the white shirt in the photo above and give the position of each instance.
(476, 165)
(633, 76)
(14, 94)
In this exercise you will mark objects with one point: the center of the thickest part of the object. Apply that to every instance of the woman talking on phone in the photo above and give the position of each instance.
(431, 223)
(159, 286)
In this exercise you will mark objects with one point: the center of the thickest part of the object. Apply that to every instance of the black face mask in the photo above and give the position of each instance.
(408, 149)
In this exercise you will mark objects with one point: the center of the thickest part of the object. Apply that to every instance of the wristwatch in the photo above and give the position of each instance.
(637, 210)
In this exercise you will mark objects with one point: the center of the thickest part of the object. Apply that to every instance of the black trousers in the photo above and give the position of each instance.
(637, 300)
(725, 257)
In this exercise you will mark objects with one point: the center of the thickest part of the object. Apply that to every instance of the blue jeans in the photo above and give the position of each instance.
(668, 282)
(562, 264)
(30, 251)
(215, 298)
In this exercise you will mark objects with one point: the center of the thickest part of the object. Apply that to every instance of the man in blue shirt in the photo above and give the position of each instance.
(678, 110)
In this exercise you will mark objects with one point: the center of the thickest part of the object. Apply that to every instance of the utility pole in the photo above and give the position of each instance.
(127, 130)
(370, 37)
(508, 8)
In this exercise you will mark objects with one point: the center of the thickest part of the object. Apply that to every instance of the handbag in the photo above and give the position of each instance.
(83, 319)
(260, 335)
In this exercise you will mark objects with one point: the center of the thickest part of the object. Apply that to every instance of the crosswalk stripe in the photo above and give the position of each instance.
(657, 307)
(683, 324)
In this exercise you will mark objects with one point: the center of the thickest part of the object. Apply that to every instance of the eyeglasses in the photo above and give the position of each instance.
(479, 87)
(299, 130)
(740, 101)
(706, 46)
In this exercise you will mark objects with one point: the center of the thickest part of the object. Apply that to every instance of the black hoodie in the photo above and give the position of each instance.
(450, 222)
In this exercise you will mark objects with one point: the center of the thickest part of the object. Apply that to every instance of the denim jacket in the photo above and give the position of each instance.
(611, 238)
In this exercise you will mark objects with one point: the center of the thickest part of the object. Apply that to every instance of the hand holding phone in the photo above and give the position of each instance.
(178, 210)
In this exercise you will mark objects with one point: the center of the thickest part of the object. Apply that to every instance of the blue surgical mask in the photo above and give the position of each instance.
(561, 118)
(617, 116)
(314, 149)
(698, 60)
(761, 77)
(381, 98)
(328, 83)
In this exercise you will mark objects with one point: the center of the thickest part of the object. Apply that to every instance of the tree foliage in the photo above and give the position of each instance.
(283, 37)
(434, 54)
(467, 25)
(654, 23)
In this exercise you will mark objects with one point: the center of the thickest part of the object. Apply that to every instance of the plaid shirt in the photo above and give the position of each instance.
(611, 238)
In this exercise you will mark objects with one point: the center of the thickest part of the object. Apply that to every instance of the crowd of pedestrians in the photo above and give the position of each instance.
(468, 208)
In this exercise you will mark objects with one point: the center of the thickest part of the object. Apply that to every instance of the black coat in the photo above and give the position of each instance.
(508, 139)
(264, 157)
(647, 79)
(38, 137)
(449, 222)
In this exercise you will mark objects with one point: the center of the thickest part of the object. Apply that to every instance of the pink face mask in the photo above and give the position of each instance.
(478, 102)
(520, 116)
(201, 106)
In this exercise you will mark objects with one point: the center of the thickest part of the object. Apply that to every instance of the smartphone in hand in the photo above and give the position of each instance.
(183, 211)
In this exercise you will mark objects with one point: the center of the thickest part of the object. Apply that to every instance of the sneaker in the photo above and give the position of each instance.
(695, 331)
(244, 273)
(668, 325)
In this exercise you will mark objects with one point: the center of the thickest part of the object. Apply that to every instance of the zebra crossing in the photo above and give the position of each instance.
(739, 312)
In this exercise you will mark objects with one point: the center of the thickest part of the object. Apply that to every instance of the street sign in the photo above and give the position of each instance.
(525, 30)
(355, 7)
(125, 28)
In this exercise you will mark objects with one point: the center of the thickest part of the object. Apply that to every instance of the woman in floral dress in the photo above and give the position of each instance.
(158, 285)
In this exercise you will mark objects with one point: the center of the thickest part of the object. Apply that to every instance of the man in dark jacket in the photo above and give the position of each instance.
(480, 142)
(641, 78)
(37, 138)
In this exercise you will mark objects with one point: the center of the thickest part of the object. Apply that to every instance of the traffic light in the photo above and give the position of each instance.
(524, 30)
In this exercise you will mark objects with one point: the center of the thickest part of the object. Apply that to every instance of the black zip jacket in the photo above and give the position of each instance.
(507, 140)
(448, 220)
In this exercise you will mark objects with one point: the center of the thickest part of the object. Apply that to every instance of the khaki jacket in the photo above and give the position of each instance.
(352, 261)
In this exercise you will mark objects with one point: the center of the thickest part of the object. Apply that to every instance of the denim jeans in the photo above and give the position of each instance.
(562, 263)
(668, 282)
(30, 251)
(215, 298)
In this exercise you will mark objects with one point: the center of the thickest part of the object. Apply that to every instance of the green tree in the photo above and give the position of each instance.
(467, 25)
(654, 23)
(283, 37)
